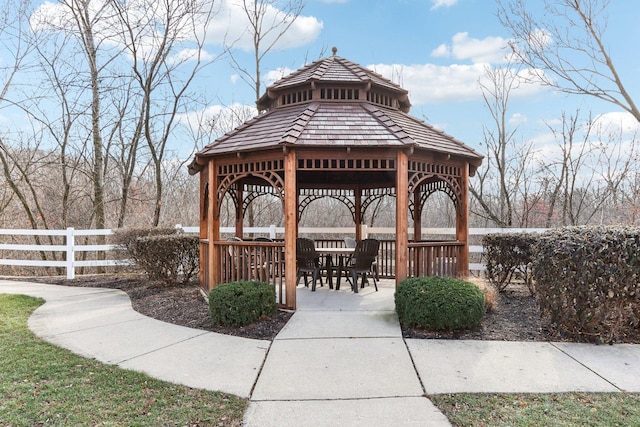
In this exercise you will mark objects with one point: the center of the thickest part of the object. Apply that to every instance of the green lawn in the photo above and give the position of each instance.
(42, 384)
(556, 409)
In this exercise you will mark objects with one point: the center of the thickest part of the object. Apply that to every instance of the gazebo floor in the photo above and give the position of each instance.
(345, 299)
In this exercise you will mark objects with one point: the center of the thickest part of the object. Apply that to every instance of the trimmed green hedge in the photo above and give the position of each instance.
(439, 303)
(507, 255)
(163, 253)
(588, 282)
(241, 303)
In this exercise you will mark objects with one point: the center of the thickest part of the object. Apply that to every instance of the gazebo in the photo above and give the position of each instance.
(332, 128)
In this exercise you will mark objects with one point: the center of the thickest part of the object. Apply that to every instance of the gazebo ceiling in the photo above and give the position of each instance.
(333, 106)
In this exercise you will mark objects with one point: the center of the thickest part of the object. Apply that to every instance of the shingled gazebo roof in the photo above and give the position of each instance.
(335, 103)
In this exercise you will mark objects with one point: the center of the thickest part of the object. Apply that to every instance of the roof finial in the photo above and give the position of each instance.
(334, 50)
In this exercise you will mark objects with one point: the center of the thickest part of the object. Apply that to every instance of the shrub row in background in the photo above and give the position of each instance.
(588, 282)
(507, 256)
(439, 303)
(241, 303)
(163, 253)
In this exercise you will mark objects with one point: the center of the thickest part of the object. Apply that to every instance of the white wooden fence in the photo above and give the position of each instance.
(70, 248)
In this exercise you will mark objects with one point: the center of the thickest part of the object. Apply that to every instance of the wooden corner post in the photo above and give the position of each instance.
(290, 227)
(402, 216)
(462, 222)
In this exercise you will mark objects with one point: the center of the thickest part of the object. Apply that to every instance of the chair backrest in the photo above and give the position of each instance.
(365, 253)
(306, 254)
(263, 239)
(349, 242)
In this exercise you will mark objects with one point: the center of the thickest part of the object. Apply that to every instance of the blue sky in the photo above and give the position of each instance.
(437, 49)
(440, 48)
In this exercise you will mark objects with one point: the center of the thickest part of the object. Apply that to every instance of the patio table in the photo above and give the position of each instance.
(340, 253)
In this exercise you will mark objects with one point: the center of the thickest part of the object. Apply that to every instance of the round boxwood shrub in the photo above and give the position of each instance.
(439, 303)
(241, 303)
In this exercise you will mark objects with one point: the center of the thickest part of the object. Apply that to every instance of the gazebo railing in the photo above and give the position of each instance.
(247, 260)
(264, 261)
(434, 258)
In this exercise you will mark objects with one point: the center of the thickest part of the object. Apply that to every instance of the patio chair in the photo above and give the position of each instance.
(308, 261)
(363, 259)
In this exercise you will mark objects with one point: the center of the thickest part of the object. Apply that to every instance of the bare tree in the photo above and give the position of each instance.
(155, 41)
(566, 175)
(502, 177)
(267, 25)
(566, 48)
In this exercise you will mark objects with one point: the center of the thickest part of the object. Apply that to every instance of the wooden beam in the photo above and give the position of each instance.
(402, 215)
(204, 216)
(290, 227)
(239, 210)
(357, 192)
(462, 222)
(417, 215)
(213, 234)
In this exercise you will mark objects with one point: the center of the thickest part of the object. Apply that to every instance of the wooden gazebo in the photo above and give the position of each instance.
(332, 128)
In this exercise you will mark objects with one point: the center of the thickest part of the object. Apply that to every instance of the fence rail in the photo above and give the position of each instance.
(64, 254)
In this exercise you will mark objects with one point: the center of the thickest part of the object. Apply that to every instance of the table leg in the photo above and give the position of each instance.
(340, 268)
(329, 263)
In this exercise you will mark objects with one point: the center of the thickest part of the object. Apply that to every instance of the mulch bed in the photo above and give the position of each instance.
(180, 304)
(515, 318)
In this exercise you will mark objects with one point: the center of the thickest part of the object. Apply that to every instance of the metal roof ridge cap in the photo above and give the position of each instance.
(237, 129)
(440, 132)
(309, 111)
(377, 113)
(322, 68)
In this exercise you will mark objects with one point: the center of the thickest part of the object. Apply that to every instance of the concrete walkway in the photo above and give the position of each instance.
(341, 359)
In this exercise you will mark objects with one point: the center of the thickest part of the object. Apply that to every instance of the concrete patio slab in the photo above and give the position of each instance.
(617, 363)
(407, 411)
(337, 368)
(346, 300)
(210, 361)
(341, 324)
(448, 366)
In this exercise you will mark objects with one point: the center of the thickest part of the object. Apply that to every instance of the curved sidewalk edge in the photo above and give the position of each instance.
(101, 324)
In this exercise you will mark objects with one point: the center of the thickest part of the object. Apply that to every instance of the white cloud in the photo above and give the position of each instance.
(614, 124)
(518, 119)
(435, 4)
(276, 74)
(230, 26)
(435, 84)
(216, 120)
(190, 55)
(462, 47)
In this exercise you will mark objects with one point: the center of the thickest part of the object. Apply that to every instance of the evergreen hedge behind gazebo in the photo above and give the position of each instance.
(332, 128)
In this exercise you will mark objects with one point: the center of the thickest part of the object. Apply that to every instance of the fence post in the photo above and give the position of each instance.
(71, 256)
(272, 231)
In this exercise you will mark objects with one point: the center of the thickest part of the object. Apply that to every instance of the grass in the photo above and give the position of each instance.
(556, 409)
(42, 384)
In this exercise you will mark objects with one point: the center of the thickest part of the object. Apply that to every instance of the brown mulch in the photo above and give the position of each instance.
(180, 304)
(515, 318)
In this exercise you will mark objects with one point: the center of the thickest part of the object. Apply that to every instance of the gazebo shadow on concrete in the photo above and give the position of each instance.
(332, 129)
